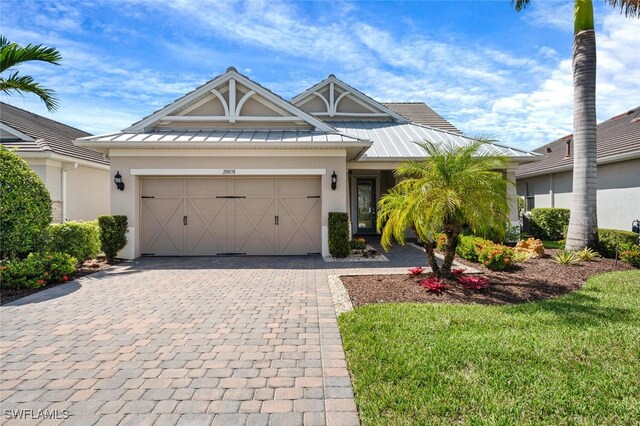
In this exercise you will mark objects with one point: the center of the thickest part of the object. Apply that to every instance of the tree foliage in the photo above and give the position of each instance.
(454, 186)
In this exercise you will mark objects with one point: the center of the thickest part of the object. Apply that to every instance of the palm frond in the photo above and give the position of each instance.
(630, 8)
(11, 54)
(25, 84)
(520, 4)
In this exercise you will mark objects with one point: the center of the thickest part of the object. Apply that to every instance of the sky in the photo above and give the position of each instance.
(486, 68)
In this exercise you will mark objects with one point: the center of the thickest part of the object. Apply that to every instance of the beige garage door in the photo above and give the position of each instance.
(211, 216)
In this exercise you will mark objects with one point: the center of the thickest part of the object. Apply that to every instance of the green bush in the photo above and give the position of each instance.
(549, 223)
(36, 270)
(77, 239)
(358, 244)
(468, 247)
(25, 206)
(495, 256)
(610, 238)
(339, 235)
(112, 235)
(630, 253)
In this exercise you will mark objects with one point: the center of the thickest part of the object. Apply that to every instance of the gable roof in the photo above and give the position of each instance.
(617, 138)
(421, 113)
(231, 75)
(30, 132)
(332, 82)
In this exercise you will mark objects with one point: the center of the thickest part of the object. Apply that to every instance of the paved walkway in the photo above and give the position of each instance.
(180, 341)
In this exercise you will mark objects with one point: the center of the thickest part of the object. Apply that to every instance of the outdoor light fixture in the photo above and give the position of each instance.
(334, 180)
(117, 179)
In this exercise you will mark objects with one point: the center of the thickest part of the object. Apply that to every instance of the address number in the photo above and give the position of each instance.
(228, 171)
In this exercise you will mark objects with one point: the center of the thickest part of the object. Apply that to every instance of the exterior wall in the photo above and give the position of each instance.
(127, 202)
(618, 192)
(87, 193)
(51, 174)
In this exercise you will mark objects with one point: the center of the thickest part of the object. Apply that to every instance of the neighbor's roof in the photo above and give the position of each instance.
(44, 135)
(617, 138)
(421, 113)
(395, 141)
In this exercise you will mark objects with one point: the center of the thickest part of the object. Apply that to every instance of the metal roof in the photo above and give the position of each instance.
(223, 136)
(618, 136)
(395, 141)
(47, 135)
(421, 113)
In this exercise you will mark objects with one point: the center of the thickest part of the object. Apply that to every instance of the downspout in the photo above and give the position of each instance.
(552, 194)
(64, 190)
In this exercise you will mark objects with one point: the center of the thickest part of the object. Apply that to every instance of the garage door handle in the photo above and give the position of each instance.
(184, 220)
(277, 220)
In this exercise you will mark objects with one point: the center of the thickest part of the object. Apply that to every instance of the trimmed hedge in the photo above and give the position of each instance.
(36, 270)
(25, 206)
(610, 238)
(339, 245)
(112, 235)
(77, 239)
(549, 223)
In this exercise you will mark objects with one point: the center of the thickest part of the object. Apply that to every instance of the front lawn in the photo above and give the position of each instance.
(569, 360)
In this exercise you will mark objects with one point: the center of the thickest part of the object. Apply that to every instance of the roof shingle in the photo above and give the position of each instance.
(421, 113)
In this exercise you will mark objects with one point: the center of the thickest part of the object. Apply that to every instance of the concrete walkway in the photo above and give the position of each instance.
(165, 341)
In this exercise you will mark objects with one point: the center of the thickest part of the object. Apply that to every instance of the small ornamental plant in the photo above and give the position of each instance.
(473, 283)
(416, 271)
(457, 272)
(433, 285)
(495, 256)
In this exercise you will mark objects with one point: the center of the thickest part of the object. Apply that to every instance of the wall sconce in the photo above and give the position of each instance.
(334, 180)
(117, 179)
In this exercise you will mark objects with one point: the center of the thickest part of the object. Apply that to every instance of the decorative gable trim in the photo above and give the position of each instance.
(17, 133)
(375, 108)
(178, 110)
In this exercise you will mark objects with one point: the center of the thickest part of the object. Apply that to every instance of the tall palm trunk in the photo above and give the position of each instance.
(583, 224)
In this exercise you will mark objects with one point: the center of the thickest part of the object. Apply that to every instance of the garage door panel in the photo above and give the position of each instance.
(208, 226)
(162, 230)
(302, 187)
(254, 187)
(254, 226)
(299, 225)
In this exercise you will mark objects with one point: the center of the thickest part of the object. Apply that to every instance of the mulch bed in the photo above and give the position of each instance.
(8, 295)
(533, 280)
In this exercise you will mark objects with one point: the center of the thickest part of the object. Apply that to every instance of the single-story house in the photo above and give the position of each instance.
(233, 168)
(549, 182)
(78, 179)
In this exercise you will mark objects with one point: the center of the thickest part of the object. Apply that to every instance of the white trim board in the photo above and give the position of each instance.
(226, 172)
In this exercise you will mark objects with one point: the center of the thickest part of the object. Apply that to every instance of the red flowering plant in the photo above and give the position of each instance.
(433, 285)
(416, 271)
(457, 272)
(473, 283)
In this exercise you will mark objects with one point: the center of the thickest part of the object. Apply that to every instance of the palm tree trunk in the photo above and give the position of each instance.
(429, 247)
(449, 253)
(583, 231)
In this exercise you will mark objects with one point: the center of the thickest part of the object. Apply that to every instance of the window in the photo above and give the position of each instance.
(531, 199)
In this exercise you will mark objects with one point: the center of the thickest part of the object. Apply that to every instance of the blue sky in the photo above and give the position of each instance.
(487, 69)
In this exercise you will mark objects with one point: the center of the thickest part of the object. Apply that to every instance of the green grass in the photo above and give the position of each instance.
(569, 360)
(552, 244)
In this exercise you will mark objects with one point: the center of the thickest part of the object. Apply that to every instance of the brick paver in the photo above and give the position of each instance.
(166, 341)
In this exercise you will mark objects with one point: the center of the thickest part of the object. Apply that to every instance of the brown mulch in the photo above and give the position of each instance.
(533, 280)
(91, 266)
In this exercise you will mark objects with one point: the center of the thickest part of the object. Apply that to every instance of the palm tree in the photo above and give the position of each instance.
(453, 186)
(11, 55)
(583, 223)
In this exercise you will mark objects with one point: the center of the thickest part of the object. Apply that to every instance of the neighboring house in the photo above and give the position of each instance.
(78, 179)
(232, 168)
(548, 182)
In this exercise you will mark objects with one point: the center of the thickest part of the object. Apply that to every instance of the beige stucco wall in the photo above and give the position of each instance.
(618, 192)
(127, 202)
(88, 193)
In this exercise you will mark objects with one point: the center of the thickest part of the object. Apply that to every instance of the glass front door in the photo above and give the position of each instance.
(366, 206)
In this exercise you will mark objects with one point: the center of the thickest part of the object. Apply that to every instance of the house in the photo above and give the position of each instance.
(78, 179)
(548, 182)
(233, 168)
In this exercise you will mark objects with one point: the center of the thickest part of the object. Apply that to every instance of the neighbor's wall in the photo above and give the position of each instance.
(51, 174)
(127, 202)
(618, 192)
(88, 193)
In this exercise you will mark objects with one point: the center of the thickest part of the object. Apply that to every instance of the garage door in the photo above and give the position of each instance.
(213, 216)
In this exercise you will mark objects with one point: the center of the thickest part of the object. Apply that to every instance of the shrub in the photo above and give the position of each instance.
(339, 235)
(112, 235)
(549, 223)
(495, 256)
(25, 206)
(611, 238)
(468, 247)
(36, 270)
(587, 254)
(358, 244)
(520, 257)
(77, 239)
(630, 254)
(565, 257)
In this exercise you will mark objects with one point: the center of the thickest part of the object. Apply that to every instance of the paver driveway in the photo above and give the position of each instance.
(190, 341)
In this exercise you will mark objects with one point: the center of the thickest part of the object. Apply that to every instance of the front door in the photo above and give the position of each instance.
(366, 211)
